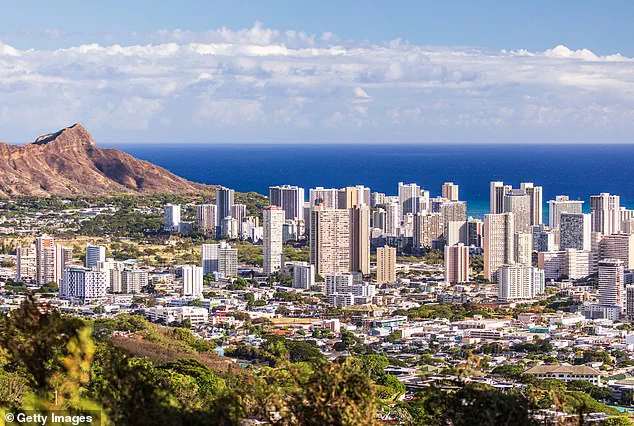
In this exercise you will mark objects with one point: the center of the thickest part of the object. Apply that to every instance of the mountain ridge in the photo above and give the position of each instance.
(69, 163)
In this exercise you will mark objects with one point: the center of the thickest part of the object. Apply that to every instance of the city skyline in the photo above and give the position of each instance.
(242, 78)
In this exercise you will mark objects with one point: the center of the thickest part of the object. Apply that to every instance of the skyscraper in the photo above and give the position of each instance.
(611, 282)
(516, 201)
(606, 215)
(453, 211)
(290, 199)
(63, 258)
(450, 191)
(498, 242)
(523, 248)
(408, 198)
(133, 280)
(224, 201)
(94, 255)
(353, 196)
(171, 217)
(379, 219)
(496, 197)
(26, 264)
(330, 240)
(619, 247)
(325, 196)
(206, 217)
(385, 265)
(562, 204)
(536, 202)
(239, 212)
(575, 231)
(517, 282)
(474, 232)
(303, 275)
(83, 285)
(360, 239)
(428, 230)
(393, 219)
(220, 259)
(192, 280)
(273, 223)
(457, 264)
(45, 260)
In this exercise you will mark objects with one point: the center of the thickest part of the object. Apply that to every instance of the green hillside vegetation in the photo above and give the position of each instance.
(138, 373)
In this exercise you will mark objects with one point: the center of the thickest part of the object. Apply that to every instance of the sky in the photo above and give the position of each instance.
(319, 72)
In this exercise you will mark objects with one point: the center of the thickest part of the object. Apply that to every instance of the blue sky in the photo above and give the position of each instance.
(327, 71)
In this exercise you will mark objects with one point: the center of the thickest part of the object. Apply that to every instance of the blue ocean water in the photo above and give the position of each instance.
(575, 170)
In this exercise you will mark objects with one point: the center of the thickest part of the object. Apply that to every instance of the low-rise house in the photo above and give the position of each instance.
(566, 373)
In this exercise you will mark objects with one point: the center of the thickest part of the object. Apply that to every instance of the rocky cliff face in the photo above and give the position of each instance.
(68, 163)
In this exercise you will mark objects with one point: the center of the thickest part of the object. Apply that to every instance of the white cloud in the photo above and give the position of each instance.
(271, 82)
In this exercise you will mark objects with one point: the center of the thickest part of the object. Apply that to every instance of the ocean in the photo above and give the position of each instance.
(575, 170)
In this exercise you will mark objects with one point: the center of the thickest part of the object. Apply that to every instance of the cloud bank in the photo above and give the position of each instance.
(264, 85)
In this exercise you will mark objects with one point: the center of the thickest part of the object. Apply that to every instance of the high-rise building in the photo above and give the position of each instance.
(220, 259)
(393, 219)
(523, 248)
(579, 264)
(303, 275)
(606, 214)
(474, 232)
(353, 196)
(457, 264)
(63, 258)
(575, 231)
(45, 260)
(455, 232)
(360, 239)
(83, 285)
(273, 238)
(229, 228)
(544, 239)
(408, 198)
(536, 202)
(518, 282)
(113, 270)
(94, 255)
(516, 201)
(347, 197)
(224, 201)
(450, 191)
(377, 199)
(26, 264)
(629, 308)
(562, 204)
(379, 219)
(133, 280)
(498, 242)
(171, 217)
(428, 230)
(290, 199)
(192, 280)
(239, 212)
(611, 282)
(453, 211)
(620, 246)
(496, 197)
(330, 240)
(385, 265)
(206, 216)
(627, 220)
(553, 263)
(328, 197)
